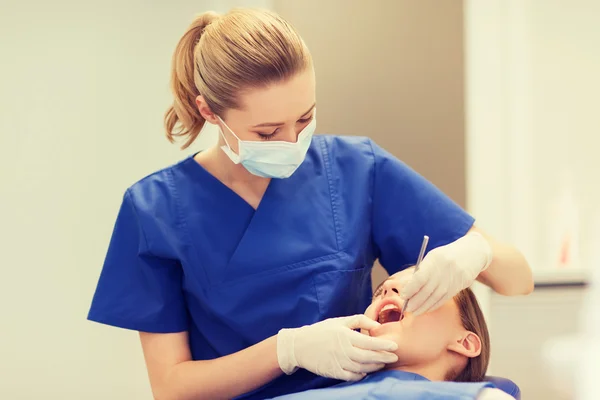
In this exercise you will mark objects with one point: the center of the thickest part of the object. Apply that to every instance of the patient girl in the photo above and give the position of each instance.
(451, 343)
(443, 354)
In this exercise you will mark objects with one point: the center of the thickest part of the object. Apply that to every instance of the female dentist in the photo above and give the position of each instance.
(235, 264)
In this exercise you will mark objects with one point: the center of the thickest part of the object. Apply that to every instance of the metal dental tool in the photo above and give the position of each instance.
(421, 255)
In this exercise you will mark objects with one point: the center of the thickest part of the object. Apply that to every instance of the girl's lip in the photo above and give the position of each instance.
(395, 300)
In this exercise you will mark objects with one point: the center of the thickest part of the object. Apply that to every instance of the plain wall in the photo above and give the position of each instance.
(393, 71)
(83, 90)
(531, 96)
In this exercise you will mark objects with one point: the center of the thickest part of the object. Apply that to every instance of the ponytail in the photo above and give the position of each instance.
(183, 118)
(221, 56)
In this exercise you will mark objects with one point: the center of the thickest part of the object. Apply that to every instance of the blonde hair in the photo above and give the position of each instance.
(221, 56)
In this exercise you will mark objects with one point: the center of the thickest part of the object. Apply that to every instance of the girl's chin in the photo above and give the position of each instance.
(389, 327)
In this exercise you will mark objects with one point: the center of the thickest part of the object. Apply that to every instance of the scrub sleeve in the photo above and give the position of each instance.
(138, 290)
(406, 207)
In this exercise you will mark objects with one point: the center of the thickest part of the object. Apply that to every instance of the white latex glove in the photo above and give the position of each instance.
(332, 349)
(445, 271)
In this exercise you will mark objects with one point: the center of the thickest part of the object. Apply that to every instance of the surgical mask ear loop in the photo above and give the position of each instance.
(223, 134)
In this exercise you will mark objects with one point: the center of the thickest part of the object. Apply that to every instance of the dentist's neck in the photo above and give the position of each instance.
(215, 161)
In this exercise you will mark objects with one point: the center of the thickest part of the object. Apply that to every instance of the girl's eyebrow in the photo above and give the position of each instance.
(378, 289)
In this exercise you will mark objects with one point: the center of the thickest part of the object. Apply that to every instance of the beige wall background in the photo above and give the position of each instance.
(393, 72)
(82, 94)
(83, 89)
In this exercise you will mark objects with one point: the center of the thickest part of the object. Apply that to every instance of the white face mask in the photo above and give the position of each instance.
(276, 159)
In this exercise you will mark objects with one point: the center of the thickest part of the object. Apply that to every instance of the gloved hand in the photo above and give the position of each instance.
(445, 271)
(332, 349)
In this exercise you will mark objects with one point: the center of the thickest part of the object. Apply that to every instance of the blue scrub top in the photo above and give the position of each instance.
(391, 385)
(187, 253)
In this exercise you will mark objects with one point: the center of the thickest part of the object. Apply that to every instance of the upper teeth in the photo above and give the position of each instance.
(390, 307)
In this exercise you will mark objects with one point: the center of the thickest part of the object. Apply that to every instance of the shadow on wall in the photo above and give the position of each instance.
(392, 71)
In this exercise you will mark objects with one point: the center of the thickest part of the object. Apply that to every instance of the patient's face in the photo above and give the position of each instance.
(420, 339)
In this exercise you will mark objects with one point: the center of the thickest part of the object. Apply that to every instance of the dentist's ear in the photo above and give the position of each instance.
(468, 345)
(205, 110)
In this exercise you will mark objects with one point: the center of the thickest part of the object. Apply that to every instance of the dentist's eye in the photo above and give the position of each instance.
(267, 136)
(305, 120)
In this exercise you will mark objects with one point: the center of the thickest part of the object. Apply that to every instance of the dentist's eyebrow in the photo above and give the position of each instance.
(281, 123)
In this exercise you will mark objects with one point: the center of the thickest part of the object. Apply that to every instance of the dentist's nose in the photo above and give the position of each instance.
(391, 288)
(290, 135)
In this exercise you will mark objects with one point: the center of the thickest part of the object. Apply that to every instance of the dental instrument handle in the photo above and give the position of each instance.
(421, 255)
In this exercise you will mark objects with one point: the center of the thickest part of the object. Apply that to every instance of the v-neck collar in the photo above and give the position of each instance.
(217, 184)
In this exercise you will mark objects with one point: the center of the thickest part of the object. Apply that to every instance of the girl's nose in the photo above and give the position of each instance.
(391, 288)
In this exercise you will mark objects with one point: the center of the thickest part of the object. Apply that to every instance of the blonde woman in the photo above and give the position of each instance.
(234, 263)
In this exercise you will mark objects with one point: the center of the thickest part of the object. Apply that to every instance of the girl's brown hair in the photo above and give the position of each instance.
(220, 56)
(472, 320)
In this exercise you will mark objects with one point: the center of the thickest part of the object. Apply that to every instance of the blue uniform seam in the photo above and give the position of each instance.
(139, 221)
(374, 179)
(317, 296)
(166, 169)
(148, 250)
(331, 193)
(180, 219)
(135, 326)
(287, 267)
(181, 222)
